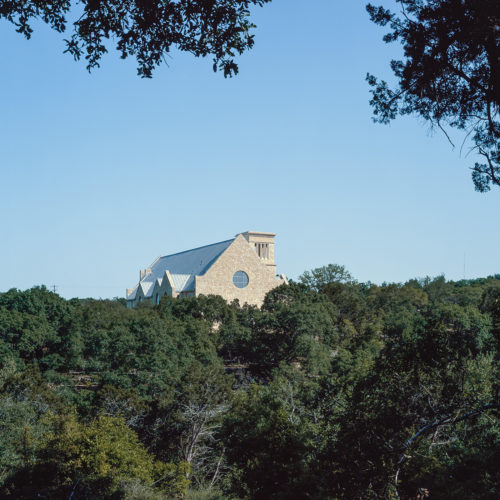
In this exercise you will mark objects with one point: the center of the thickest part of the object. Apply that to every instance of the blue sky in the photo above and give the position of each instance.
(102, 173)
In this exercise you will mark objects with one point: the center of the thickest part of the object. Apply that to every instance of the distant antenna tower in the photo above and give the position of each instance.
(54, 288)
(464, 265)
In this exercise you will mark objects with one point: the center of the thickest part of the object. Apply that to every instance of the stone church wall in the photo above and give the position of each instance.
(239, 256)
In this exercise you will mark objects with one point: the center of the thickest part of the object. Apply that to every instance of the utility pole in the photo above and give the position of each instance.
(54, 288)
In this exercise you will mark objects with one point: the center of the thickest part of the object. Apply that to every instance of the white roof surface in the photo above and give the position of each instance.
(183, 267)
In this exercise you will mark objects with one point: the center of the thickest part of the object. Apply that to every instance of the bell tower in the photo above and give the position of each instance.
(263, 244)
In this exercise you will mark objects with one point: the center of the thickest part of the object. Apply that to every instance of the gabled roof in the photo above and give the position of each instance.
(183, 267)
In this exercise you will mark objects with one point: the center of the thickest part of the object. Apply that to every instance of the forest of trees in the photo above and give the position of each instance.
(333, 389)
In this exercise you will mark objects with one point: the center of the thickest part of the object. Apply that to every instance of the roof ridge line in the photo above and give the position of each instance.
(155, 261)
(192, 249)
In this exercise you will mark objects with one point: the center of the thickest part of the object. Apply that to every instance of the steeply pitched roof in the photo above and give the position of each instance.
(183, 267)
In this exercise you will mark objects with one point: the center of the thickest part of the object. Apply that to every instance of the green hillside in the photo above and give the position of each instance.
(333, 389)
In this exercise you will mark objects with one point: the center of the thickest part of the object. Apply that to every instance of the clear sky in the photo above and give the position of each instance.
(102, 173)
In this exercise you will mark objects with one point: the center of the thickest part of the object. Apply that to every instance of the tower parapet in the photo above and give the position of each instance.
(263, 244)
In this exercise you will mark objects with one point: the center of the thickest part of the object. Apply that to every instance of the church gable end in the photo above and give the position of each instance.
(239, 257)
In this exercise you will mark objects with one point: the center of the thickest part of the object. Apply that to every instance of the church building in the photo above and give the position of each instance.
(242, 268)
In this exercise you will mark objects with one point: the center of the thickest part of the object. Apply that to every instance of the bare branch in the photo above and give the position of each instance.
(449, 420)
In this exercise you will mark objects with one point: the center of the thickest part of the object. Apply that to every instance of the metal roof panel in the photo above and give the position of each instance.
(183, 267)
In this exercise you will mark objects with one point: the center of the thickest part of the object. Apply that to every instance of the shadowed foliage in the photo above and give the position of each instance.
(450, 73)
(332, 389)
(145, 29)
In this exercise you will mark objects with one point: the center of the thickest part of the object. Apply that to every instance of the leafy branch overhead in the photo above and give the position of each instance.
(450, 74)
(144, 29)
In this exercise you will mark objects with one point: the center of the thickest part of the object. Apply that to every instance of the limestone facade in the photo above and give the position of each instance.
(242, 268)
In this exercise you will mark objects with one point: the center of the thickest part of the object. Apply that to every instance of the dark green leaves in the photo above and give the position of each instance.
(147, 30)
(450, 74)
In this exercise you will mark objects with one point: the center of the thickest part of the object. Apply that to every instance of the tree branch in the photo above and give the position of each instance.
(493, 177)
(433, 425)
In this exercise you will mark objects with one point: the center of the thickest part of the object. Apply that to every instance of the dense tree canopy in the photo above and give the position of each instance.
(332, 389)
(450, 74)
(146, 30)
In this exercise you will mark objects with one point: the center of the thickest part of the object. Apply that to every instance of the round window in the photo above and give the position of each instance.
(240, 279)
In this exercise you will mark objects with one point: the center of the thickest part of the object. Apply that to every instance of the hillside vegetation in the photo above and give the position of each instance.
(333, 389)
